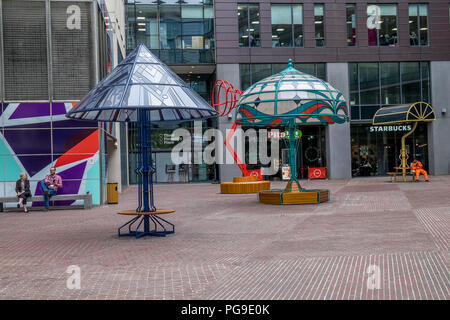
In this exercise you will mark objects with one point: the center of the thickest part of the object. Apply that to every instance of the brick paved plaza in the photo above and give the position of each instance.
(231, 247)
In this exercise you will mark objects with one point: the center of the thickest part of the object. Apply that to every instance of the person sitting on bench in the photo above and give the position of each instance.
(50, 186)
(23, 191)
(417, 167)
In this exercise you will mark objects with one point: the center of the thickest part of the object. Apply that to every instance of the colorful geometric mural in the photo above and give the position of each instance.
(37, 136)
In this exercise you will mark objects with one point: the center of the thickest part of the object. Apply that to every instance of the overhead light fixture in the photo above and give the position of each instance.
(244, 36)
(394, 29)
(141, 29)
(349, 22)
(255, 22)
(274, 36)
(423, 29)
(410, 21)
(280, 30)
(142, 24)
(140, 18)
(317, 22)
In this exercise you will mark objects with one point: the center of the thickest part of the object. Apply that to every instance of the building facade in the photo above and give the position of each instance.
(51, 54)
(377, 53)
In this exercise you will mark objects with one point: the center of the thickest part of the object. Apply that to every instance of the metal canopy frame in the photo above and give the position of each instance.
(142, 89)
(406, 113)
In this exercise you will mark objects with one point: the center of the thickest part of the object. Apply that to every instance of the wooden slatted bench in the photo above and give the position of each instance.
(247, 184)
(87, 202)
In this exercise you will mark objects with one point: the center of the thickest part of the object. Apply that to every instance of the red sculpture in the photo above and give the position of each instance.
(224, 97)
(224, 100)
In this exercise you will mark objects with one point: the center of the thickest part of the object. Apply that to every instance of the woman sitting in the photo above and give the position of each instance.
(23, 191)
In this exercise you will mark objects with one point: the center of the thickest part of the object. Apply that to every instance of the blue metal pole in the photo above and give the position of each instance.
(147, 167)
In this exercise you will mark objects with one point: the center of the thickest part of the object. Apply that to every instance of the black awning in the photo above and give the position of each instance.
(415, 112)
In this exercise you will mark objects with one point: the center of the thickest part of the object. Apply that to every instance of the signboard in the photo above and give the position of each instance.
(317, 173)
(286, 172)
(283, 134)
(406, 127)
(255, 173)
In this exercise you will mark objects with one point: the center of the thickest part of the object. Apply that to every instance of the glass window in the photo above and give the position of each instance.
(261, 71)
(425, 76)
(170, 27)
(369, 83)
(147, 25)
(382, 24)
(354, 85)
(287, 25)
(351, 24)
(183, 33)
(319, 24)
(390, 83)
(248, 20)
(252, 73)
(410, 73)
(418, 24)
(375, 85)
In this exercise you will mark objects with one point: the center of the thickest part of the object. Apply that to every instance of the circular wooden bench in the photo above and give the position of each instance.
(248, 184)
(161, 226)
(133, 212)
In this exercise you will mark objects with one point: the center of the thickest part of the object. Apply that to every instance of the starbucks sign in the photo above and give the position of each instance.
(406, 127)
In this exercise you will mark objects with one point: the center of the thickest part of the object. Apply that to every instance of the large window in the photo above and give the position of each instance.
(351, 24)
(374, 85)
(382, 24)
(319, 25)
(248, 19)
(252, 73)
(418, 24)
(177, 33)
(287, 25)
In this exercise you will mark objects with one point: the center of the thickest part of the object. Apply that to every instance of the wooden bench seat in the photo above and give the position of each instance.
(87, 202)
(244, 187)
(134, 213)
(394, 175)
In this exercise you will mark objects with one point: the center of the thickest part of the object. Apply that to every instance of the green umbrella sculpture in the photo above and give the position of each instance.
(288, 99)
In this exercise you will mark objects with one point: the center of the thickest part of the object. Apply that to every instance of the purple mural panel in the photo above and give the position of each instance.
(74, 124)
(34, 164)
(39, 125)
(76, 172)
(65, 139)
(29, 141)
(58, 109)
(31, 110)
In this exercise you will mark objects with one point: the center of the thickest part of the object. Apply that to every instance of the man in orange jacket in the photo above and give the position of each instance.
(417, 167)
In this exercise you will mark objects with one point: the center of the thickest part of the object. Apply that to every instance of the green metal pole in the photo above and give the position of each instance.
(293, 145)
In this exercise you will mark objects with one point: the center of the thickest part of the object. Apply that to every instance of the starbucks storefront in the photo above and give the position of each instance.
(376, 149)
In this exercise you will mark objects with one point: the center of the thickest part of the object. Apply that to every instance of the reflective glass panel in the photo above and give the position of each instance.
(369, 83)
(390, 83)
(382, 24)
(319, 25)
(351, 24)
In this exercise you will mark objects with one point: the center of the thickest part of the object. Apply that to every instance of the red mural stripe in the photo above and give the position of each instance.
(83, 150)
